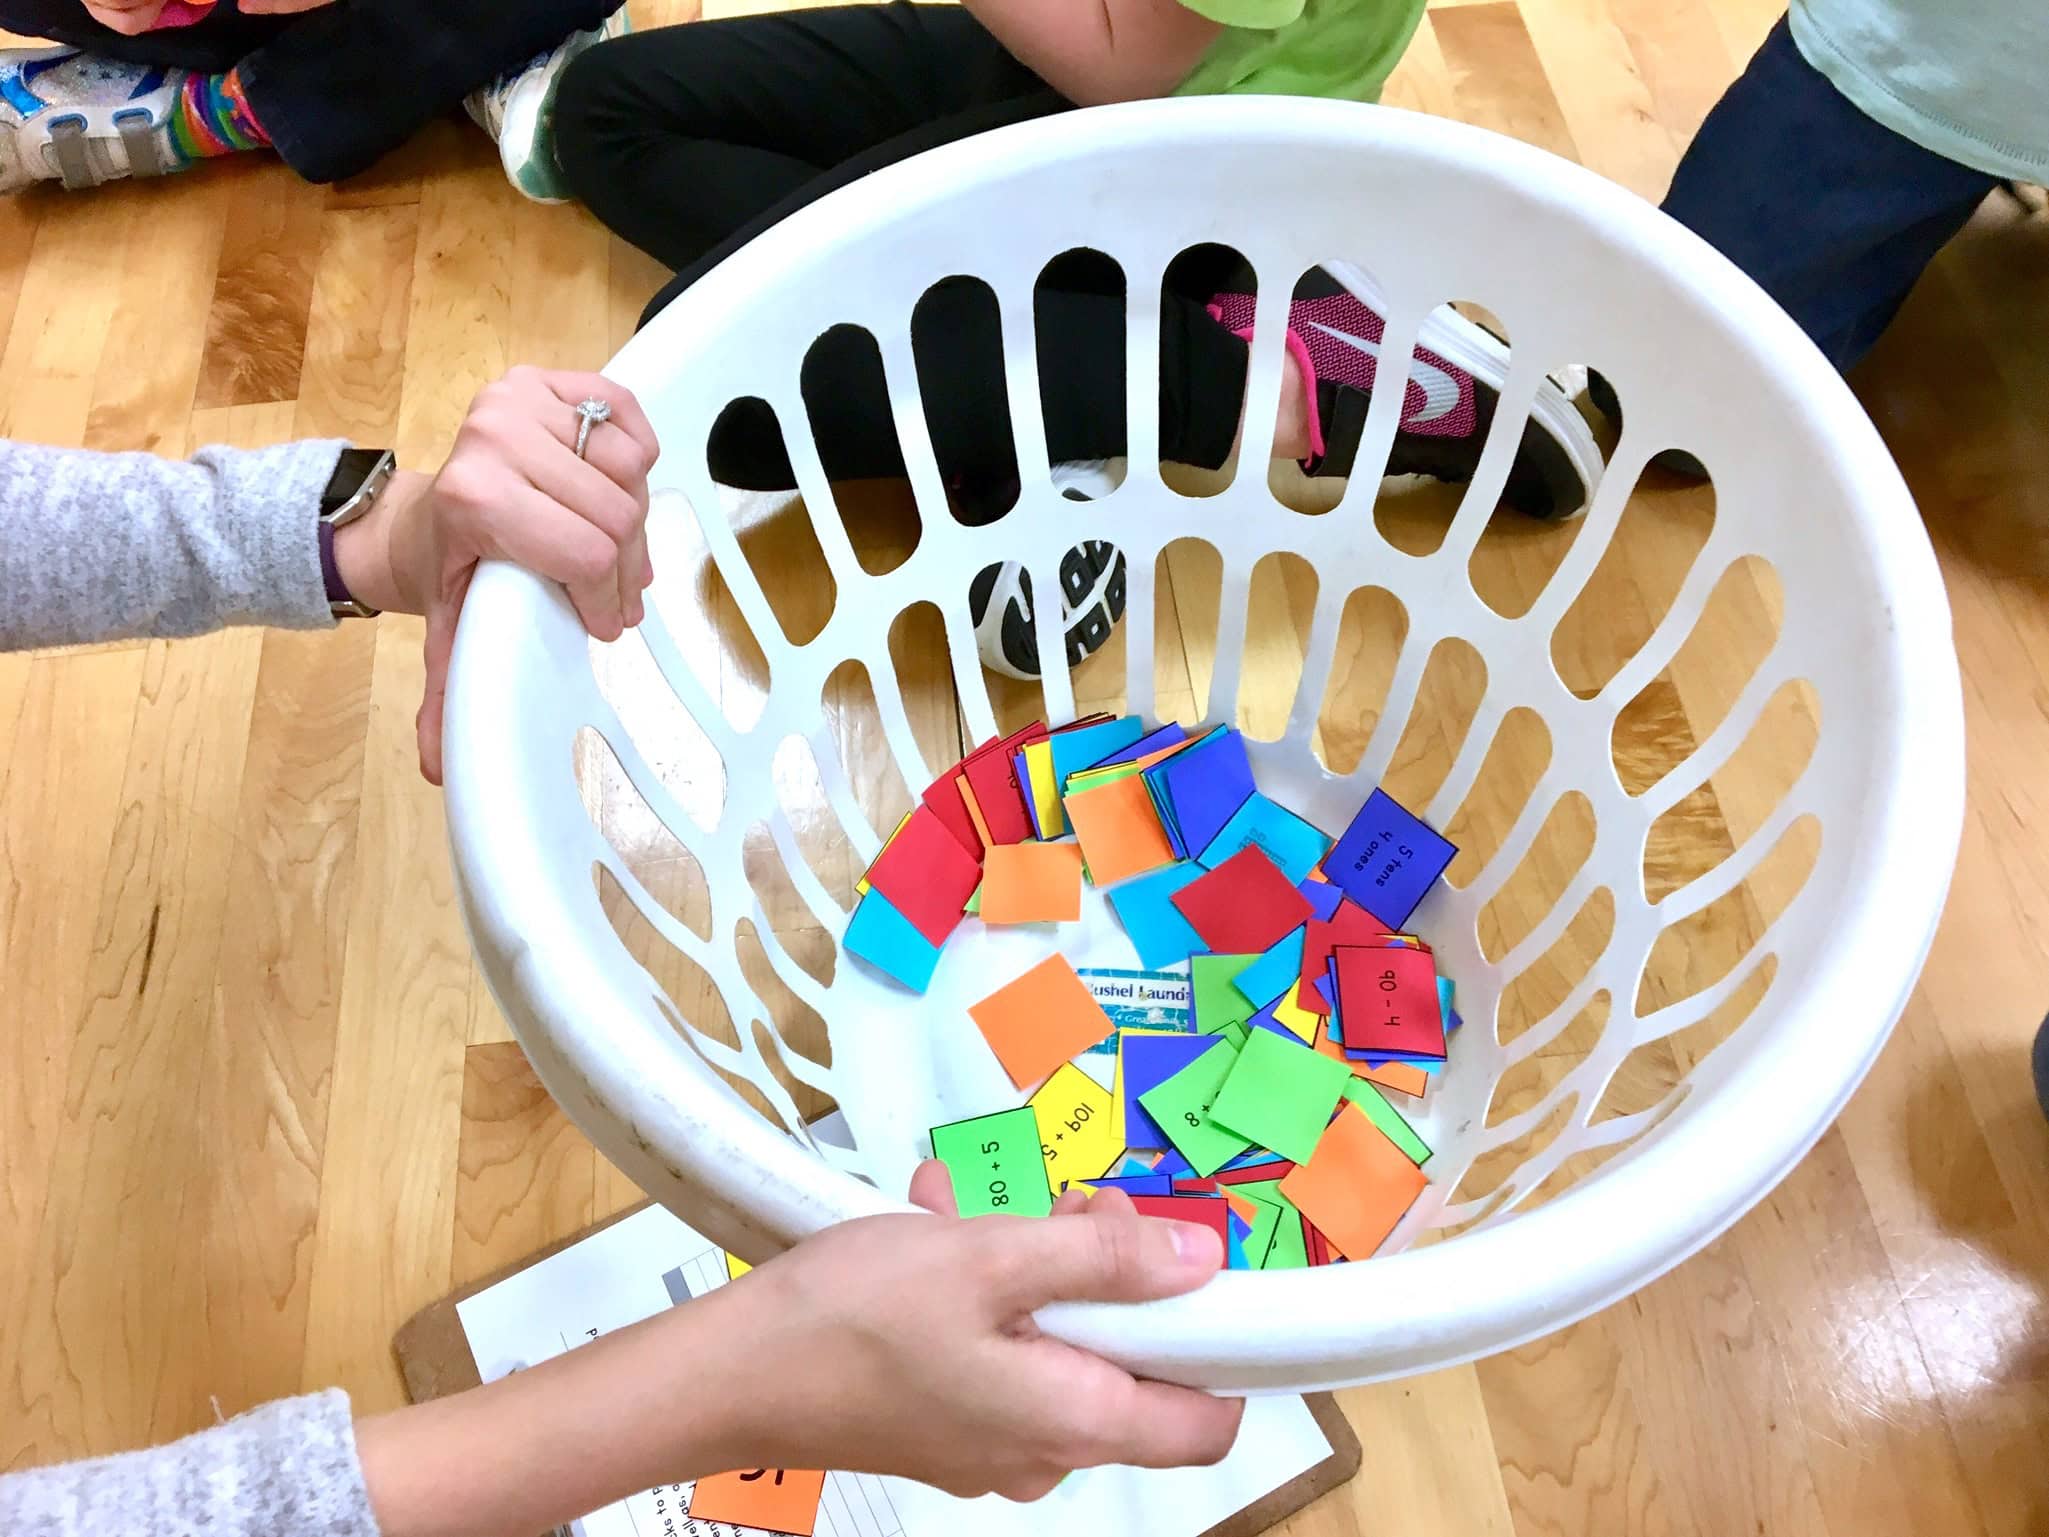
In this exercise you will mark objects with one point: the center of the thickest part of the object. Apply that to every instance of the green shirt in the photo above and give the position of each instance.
(1963, 78)
(1342, 48)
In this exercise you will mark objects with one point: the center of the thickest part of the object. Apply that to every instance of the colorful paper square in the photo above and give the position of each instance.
(1244, 905)
(927, 875)
(996, 1164)
(1357, 1187)
(1180, 1105)
(1076, 1138)
(1032, 883)
(1145, 906)
(1041, 1019)
(1218, 1003)
(1291, 843)
(1120, 835)
(1388, 859)
(1388, 1000)
(1280, 1095)
(1206, 785)
(890, 942)
(1148, 1062)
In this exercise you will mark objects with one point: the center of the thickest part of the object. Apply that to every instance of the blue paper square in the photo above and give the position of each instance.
(1205, 785)
(1141, 1184)
(1158, 932)
(1074, 750)
(1274, 972)
(1291, 843)
(1388, 859)
(1173, 1165)
(886, 939)
(1149, 1061)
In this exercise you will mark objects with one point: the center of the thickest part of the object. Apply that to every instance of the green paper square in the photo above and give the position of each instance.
(1217, 1002)
(1290, 1249)
(974, 902)
(1384, 1115)
(1235, 1034)
(1281, 1095)
(1259, 1243)
(1180, 1105)
(996, 1164)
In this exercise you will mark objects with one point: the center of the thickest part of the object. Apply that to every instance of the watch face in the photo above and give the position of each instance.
(351, 470)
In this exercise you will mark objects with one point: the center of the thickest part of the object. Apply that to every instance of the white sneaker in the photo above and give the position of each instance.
(518, 110)
(71, 117)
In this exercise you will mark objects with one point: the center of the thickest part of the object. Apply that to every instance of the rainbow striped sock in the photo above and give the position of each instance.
(212, 118)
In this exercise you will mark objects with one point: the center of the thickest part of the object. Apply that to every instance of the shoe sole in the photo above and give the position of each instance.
(1482, 354)
(532, 171)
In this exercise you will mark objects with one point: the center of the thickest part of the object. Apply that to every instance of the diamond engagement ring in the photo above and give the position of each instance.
(588, 414)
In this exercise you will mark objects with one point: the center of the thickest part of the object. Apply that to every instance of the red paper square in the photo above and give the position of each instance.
(1245, 906)
(1351, 924)
(993, 778)
(1389, 998)
(926, 875)
(943, 795)
(1199, 1209)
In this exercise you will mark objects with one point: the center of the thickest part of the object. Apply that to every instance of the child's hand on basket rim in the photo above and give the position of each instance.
(906, 1345)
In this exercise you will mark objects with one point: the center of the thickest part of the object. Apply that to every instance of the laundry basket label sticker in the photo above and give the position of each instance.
(995, 1164)
(1139, 1000)
(1076, 1140)
(1388, 859)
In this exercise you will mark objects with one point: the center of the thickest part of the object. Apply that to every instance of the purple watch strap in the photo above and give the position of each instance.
(330, 573)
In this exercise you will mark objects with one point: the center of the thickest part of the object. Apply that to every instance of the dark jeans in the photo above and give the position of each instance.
(1832, 213)
(689, 141)
(338, 87)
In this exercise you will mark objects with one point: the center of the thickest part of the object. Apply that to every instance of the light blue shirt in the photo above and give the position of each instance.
(1968, 79)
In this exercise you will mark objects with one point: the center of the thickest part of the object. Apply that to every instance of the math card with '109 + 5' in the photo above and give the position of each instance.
(650, 1261)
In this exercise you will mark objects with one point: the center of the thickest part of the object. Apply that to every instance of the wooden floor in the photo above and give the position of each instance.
(256, 1107)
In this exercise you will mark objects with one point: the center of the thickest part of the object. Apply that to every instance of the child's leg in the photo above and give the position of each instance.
(1832, 213)
(689, 139)
(349, 82)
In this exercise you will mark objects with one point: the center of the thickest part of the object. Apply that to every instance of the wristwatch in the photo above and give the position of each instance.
(360, 476)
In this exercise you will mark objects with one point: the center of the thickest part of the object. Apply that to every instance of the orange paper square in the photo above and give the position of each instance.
(1032, 883)
(967, 794)
(773, 1499)
(1402, 1077)
(1356, 1187)
(1041, 1020)
(1120, 834)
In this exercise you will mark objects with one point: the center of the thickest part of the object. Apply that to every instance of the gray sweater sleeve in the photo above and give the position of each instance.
(288, 1469)
(108, 546)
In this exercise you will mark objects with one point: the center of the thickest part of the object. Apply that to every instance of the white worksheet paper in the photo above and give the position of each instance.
(650, 1261)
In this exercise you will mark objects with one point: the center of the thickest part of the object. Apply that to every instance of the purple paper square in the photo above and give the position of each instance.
(1324, 897)
(1166, 736)
(1133, 1184)
(1207, 784)
(1388, 859)
(1149, 1061)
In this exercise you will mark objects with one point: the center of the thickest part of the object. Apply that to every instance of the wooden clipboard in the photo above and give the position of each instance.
(434, 1355)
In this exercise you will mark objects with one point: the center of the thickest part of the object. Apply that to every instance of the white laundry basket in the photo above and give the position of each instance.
(1580, 271)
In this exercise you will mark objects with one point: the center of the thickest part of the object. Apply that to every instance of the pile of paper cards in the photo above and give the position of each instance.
(1268, 1118)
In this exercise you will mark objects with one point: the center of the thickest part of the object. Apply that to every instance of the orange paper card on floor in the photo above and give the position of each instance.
(1032, 883)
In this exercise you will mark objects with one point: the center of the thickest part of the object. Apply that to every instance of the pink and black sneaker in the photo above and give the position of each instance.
(1448, 406)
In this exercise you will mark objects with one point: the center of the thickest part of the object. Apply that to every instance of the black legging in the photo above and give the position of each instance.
(691, 140)
(337, 87)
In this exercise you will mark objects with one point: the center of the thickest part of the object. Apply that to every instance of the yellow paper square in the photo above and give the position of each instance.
(1076, 1137)
(736, 1267)
(1289, 1013)
(1038, 758)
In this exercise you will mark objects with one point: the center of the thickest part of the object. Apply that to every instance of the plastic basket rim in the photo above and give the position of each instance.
(1865, 974)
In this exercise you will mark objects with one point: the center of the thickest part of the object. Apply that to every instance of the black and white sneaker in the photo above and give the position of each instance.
(1092, 592)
